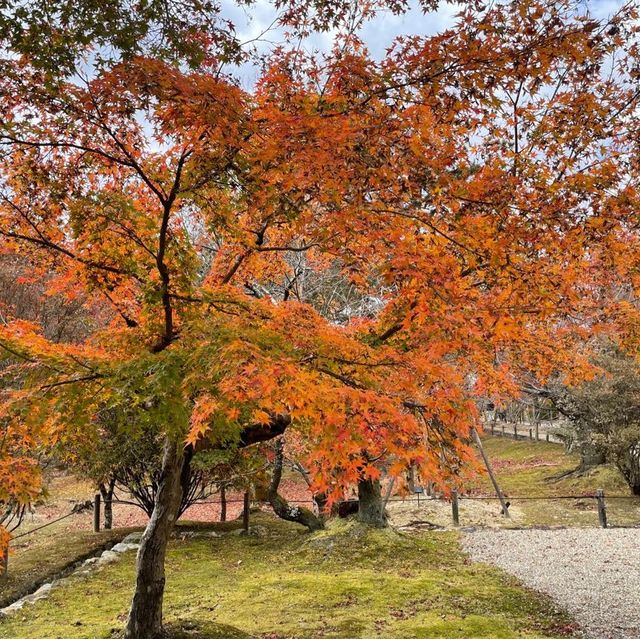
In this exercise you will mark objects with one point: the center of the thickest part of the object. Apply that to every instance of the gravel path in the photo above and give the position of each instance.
(591, 572)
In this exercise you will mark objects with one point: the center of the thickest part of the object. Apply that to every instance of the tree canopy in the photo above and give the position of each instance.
(476, 189)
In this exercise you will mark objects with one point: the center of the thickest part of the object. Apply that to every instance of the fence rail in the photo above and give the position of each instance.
(455, 500)
(523, 431)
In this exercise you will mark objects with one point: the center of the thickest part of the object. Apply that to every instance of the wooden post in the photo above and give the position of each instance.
(223, 503)
(245, 513)
(96, 513)
(530, 433)
(494, 481)
(388, 492)
(515, 431)
(547, 438)
(454, 508)
(503, 429)
(602, 508)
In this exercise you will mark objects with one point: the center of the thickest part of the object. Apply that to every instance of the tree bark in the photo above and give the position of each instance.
(590, 455)
(107, 498)
(145, 614)
(370, 504)
(411, 478)
(628, 464)
(281, 506)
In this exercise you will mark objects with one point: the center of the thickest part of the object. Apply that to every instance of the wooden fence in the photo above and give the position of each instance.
(455, 499)
(598, 496)
(537, 432)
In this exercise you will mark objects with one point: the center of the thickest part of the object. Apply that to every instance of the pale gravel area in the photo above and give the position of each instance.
(593, 573)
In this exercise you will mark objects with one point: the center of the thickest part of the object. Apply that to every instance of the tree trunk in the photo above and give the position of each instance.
(107, 498)
(411, 479)
(590, 456)
(370, 505)
(281, 506)
(299, 514)
(629, 466)
(145, 614)
(223, 503)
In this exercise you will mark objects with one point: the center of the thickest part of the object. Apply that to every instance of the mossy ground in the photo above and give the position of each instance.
(283, 583)
(42, 556)
(39, 557)
(528, 468)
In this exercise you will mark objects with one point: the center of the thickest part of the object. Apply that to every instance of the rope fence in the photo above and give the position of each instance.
(419, 497)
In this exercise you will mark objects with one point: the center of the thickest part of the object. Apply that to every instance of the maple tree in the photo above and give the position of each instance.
(473, 188)
(61, 319)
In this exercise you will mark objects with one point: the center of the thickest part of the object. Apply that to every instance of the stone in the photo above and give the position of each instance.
(41, 593)
(133, 538)
(124, 547)
(107, 557)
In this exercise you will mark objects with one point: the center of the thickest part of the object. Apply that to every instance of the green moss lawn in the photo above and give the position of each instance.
(38, 558)
(529, 468)
(283, 583)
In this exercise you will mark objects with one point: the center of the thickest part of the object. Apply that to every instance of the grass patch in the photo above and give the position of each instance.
(528, 468)
(283, 583)
(203, 631)
(39, 558)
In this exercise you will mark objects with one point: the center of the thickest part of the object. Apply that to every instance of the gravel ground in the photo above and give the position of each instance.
(593, 573)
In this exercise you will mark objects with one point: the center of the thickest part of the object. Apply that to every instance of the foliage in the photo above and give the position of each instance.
(58, 35)
(605, 411)
(480, 183)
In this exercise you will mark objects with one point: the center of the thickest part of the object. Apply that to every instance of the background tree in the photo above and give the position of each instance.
(124, 463)
(605, 413)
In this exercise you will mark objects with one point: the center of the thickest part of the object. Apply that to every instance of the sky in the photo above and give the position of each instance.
(256, 22)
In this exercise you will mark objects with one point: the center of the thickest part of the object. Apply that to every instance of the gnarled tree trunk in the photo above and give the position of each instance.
(629, 465)
(370, 504)
(280, 505)
(145, 614)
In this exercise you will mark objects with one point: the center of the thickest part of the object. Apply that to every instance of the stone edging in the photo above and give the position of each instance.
(130, 542)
